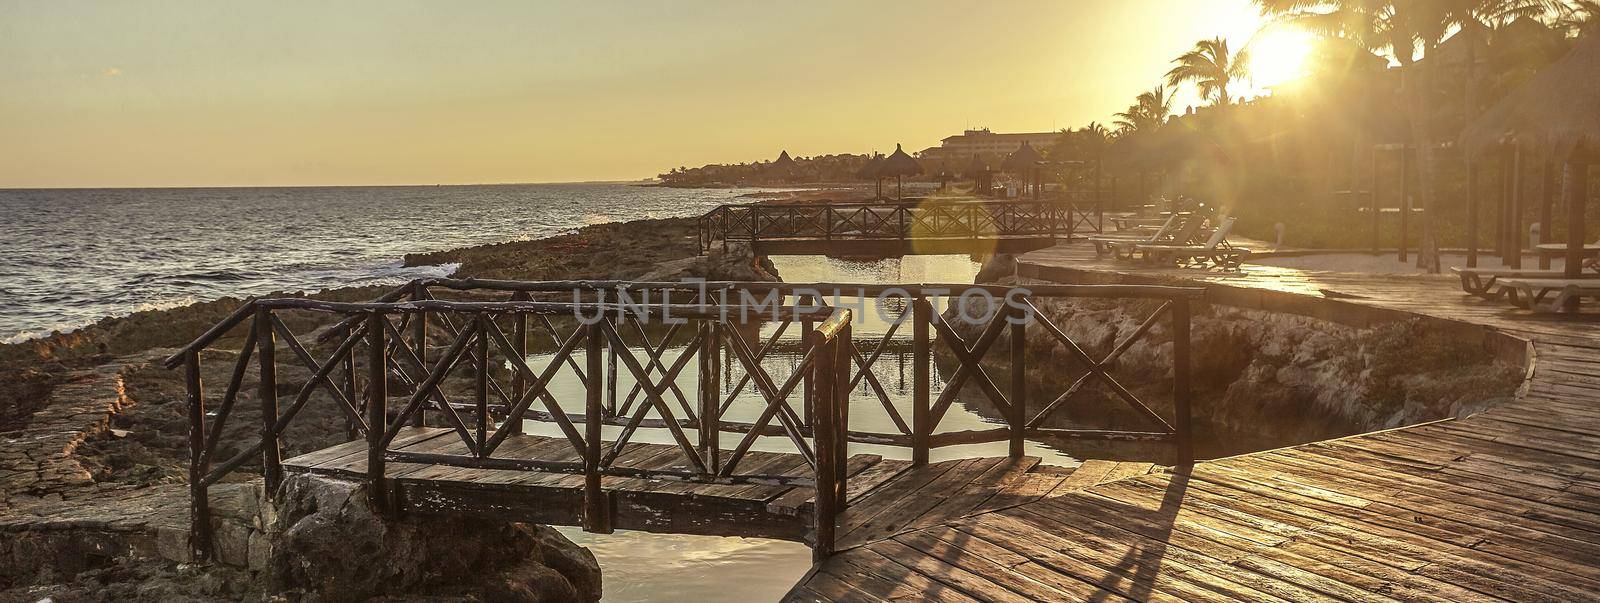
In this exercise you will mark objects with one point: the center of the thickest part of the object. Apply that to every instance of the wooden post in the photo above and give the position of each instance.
(519, 346)
(611, 380)
(1099, 199)
(843, 367)
(199, 500)
(1577, 197)
(419, 345)
(1018, 417)
(808, 413)
(481, 391)
(921, 381)
(710, 396)
(823, 435)
(1180, 381)
(1472, 213)
(1514, 229)
(377, 410)
(827, 215)
(1405, 201)
(349, 368)
(1376, 245)
(1547, 197)
(267, 392)
(596, 505)
(1500, 205)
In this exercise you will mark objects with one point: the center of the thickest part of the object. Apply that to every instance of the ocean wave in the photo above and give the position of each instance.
(76, 256)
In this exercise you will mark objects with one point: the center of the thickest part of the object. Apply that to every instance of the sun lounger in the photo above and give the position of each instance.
(1101, 241)
(1215, 250)
(1190, 228)
(1483, 282)
(1535, 294)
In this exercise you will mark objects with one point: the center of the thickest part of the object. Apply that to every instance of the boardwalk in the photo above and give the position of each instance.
(1504, 504)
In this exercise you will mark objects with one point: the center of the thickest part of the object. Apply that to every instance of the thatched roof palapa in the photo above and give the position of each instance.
(900, 164)
(1557, 111)
(1022, 159)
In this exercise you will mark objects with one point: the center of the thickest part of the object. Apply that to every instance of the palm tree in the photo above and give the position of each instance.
(1400, 28)
(1578, 17)
(1211, 67)
(1149, 110)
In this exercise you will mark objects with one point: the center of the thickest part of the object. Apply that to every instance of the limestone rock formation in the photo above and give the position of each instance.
(329, 544)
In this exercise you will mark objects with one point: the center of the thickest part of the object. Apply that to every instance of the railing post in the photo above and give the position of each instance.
(827, 216)
(901, 209)
(271, 448)
(807, 381)
(419, 344)
(843, 366)
(1180, 381)
(611, 379)
(1018, 417)
(710, 393)
(827, 496)
(596, 505)
(481, 391)
(921, 381)
(519, 346)
(348, 367)
(199, 499)
(377, 410)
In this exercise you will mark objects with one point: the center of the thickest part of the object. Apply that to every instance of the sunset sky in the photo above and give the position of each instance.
(102, 94)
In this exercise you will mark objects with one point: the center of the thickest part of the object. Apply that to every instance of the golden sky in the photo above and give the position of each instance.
(103, 94)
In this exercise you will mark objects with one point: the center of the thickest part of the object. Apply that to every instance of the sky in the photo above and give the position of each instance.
(223, 93)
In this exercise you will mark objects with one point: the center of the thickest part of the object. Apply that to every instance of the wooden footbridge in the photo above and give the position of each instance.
(435, 383)
(1501, 505)
(913, 227)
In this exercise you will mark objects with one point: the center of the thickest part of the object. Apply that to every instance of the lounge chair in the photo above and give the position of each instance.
(1216, 250)
(1531, 294)
(1483, 282)
(1189, 229)
(1102, 241)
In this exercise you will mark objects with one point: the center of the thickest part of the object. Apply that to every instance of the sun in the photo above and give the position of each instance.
(1277, 56)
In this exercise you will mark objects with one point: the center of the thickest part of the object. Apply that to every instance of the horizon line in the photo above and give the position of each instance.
(238, 186)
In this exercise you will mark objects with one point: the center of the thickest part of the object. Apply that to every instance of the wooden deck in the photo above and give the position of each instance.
(1502, 505)
(886, 496)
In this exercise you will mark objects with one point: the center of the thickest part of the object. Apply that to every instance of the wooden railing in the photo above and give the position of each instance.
(383, 348)
(409, 343)
(888, 221)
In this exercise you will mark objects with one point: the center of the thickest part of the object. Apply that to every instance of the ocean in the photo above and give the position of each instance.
(70, 257)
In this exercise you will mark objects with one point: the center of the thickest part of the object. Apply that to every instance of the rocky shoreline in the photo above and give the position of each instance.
(94, 457)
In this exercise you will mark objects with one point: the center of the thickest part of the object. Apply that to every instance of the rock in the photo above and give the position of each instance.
(328, 543)
(737, 263)
(996, 267)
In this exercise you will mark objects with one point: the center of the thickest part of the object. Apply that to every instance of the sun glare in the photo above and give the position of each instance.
(1276, 57)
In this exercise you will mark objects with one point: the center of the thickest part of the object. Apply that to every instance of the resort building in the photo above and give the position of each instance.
(961, 147)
